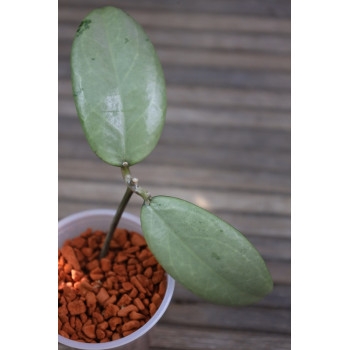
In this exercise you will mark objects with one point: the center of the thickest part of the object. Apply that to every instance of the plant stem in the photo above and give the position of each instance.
(133, 183)
(128, 193)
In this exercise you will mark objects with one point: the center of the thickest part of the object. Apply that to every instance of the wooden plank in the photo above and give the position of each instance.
(280, 297)
(166, 336)
(212, 97)
(277, 204)
(211, 58)
(280, 271)
(198, 135)
(168, 175)
(251, 225)
(226, 97)
(189, 57)
(208, 156)
(260, 225)
(228, 78)
(273, 8)
(213, 77)
(246, 118)
(250, 318)
(274, 248)
(206, 40)
(192, 21)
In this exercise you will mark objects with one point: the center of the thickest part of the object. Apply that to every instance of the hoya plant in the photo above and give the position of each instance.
(120, 96)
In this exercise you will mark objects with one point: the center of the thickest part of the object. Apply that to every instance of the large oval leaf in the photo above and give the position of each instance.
(205, 254)
(118, 86)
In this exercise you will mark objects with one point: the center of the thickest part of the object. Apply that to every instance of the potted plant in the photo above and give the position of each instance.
(120, 97)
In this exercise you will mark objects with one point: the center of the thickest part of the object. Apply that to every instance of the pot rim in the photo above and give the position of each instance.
(153, 320)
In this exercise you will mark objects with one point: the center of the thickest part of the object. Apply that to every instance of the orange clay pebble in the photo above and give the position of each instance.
(87, 251)
(72, 321)
(90, 299)
(103, 325)
(137, 284)
(96, 274)
(139, 304)
(143, 280)
(150, 262)
(120, 236)
(105, 264)
(78, 242)
(148, 272)
(127, 286)
(67, 268)
(76, 275)
(97, 316)
(68, 328)
(157, 276)
(69, 293)
(92, 264)
(130, 325)
(113, 322)
(152, 309)
(89, 330)
(162, 288)
(69, 255)
(124, 300)
(83, 318)
(107, 299)
(78, 324)
(126, 310)
(156, 300)
(102, 296)
(136, 316)
(100, 334)
(111, 310)
(111, 300)
(133, 293)
(76, 307)
(137, 240)
(126, 333)
(116, 336)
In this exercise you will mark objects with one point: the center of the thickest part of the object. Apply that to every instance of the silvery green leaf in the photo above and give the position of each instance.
(203, 253)
(118, 86)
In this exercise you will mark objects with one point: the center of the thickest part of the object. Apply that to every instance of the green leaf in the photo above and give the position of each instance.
(203, 253)
(118, 86)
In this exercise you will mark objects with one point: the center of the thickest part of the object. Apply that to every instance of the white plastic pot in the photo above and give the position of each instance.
(100, 219)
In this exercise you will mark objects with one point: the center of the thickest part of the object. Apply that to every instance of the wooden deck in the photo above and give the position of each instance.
(225, 147)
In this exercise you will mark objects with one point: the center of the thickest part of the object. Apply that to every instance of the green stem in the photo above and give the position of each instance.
(117, 216)
(133, 183)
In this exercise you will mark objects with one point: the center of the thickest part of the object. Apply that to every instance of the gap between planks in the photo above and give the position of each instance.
(169, 175)
(189, 57)
(169, 336)
(220, 137)
(271, 8)
(192, 21)
(250, 318)
(212, 96)
(259, 43)
(214, 77)
(233, 158)
(211, 200)
(279, 298)
(204, 116)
